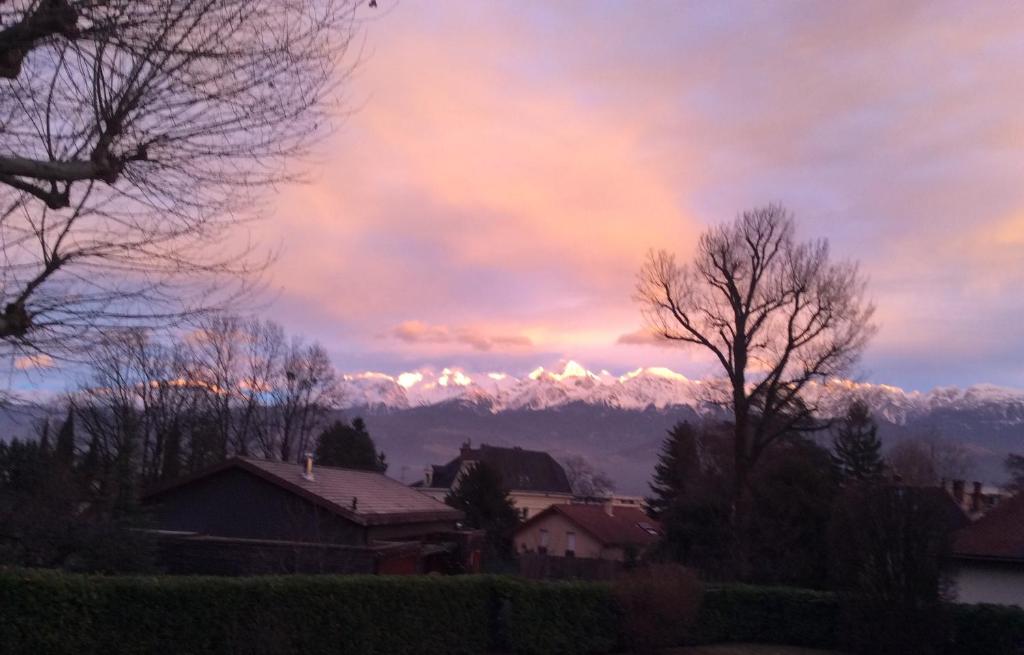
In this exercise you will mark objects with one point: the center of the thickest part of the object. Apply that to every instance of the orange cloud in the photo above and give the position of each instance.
(419, 332)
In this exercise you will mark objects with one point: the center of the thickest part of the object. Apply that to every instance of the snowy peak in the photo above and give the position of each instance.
(652, 387)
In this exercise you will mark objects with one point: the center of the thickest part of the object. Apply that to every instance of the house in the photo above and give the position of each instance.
(988, 556)
(588, 531)
(249, 515)
(979, 500)
(533, 478)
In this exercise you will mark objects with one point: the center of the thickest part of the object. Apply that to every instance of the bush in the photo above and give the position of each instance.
(986, 629)
(659, 605)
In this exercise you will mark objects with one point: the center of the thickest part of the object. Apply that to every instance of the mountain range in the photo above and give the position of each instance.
(618, 422)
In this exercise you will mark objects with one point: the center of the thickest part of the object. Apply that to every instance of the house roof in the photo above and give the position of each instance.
(364, 497)
(520, 469)
(998, 535)
(626, 526)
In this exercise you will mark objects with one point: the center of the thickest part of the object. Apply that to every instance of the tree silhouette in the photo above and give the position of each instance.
(775, 314)
(482, 497)
(349, 446)
(856, 448)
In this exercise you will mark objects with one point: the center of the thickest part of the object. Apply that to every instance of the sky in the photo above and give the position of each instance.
(499, 170)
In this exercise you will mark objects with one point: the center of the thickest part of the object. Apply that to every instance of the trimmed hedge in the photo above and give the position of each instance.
(986, 629)
(310, 615)
(54, 613)
(771, 615)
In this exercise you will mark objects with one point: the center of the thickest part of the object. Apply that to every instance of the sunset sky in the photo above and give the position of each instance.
(499, 170)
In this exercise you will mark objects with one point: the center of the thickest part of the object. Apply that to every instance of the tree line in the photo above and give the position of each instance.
(150, 409)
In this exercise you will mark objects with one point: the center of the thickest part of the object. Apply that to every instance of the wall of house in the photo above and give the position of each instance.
(989, 582)
(236, 503)
(528, 540)
(532, 503)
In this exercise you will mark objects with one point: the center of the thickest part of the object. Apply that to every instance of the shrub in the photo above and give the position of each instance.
(659, 605)
(985, 629)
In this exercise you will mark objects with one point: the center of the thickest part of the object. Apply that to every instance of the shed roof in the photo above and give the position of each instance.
(364, 497)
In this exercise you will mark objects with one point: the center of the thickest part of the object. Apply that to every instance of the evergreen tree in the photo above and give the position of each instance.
(349, 446)
(856, 448)
(677, 464)
(482, 497)
(691, 493)
(64, 453)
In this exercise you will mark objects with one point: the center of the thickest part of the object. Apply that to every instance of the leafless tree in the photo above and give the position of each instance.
(585, 479)
(305, 391)
(927, 459)
(776, 314)
(135, 137)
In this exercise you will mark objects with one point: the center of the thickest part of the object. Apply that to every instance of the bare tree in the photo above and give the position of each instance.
(776, 314)
(134, 137)
(585, 479)
(306, 391)
(927, 459)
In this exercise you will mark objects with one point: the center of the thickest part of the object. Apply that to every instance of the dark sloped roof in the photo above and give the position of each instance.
(378, 498)
(520, 470)
(997, 535)
(627, 526)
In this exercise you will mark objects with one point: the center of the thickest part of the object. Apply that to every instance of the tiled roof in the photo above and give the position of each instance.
(626, 526)
(365, 497)
(997, 535)
(520, 470)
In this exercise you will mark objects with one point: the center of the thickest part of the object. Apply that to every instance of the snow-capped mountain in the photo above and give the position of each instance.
(655, 388)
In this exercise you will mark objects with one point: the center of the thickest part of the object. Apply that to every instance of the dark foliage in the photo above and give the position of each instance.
(482, 496)
(785, 534)
(888, 545)
(54, 515)
(856, 448)
(691, 492)
(48, 612)
(659, 606)
(349, 446)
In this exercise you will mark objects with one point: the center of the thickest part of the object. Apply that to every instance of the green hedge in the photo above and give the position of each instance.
(53, 613)
(771, 615)
(538, 618)
(986, 629)
(59, 613)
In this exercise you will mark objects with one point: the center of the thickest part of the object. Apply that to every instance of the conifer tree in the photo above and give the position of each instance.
(349, 446)
(678, 461)
(482, 497)
(856, 448)
(65, 450)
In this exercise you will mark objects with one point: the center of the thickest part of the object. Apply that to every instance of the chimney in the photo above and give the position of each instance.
(609, 506)
(958, 491)
(428, 476)
(466, 451)
(308, 471)
(976, 497)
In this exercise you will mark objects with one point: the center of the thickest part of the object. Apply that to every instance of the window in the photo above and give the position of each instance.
(570, 544)
(545, 539)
